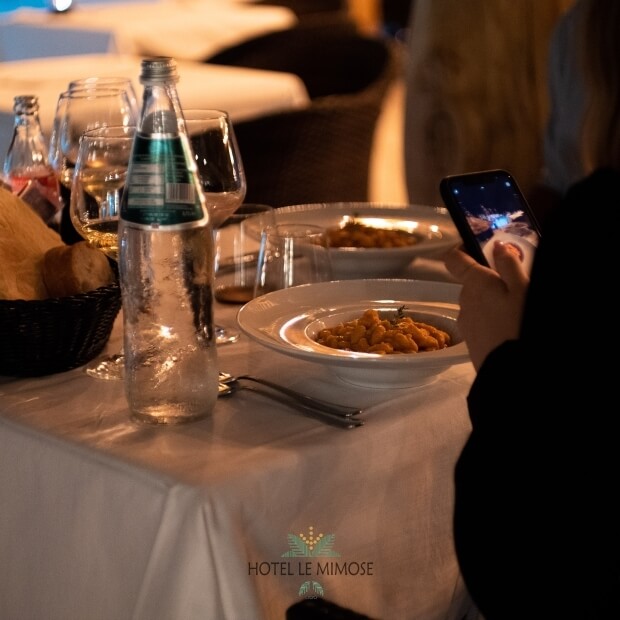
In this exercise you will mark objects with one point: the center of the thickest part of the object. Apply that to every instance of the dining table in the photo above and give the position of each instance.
(103, 517)
(185, 29)
(244, 93)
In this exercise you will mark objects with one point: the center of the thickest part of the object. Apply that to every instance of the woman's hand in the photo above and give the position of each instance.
(491, 301)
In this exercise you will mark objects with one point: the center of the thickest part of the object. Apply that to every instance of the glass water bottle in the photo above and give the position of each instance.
(166, 265)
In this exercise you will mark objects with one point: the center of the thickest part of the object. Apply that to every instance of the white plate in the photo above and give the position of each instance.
(288, 320)
(433, 224)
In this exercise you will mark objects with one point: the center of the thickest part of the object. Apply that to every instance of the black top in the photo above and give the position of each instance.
(536, 519)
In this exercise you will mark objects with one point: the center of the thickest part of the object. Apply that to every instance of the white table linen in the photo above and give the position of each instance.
(244, 93)
(189, 30)
(105, 518)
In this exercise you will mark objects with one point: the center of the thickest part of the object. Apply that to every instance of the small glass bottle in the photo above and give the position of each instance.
(26, 167)
(166, 265)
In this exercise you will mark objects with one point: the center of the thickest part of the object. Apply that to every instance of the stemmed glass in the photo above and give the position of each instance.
(83, 109)
(122, 83)
(98, 180)
(80, 109)
(221, 173)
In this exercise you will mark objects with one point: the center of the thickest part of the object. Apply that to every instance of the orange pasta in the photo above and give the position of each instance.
(356, 235)
(372, 334)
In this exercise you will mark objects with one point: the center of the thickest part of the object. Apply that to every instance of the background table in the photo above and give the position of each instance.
(185, 29)
(244, 93)
(104, 518)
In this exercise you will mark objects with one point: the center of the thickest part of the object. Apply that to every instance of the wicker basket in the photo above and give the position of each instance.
(53, 335)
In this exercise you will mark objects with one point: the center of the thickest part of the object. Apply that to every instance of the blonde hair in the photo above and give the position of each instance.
(476, 94)
(600, 61)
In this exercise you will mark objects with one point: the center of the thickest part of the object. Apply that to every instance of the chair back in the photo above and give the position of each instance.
(320, 153)
(329, 58)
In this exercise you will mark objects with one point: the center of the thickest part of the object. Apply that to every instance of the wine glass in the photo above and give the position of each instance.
(83, 109)
(87, 84)
(98, 180)
(78, 110)
(122, 83)
(221, 174)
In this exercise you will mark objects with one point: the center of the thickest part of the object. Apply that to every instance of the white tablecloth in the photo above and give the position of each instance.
(188, 29)
(244, 93)
(103, 518)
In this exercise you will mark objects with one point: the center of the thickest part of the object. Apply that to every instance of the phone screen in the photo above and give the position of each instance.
(488, 207)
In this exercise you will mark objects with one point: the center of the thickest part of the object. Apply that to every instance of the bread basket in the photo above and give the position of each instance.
(43, 337)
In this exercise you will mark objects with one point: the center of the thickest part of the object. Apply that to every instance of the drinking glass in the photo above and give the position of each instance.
(218, 159)
(87, 84)
(236, 252)
(221, 174)
(122, 83)
(79, 110)
(98, 181)
(290, 255)
(84, 109)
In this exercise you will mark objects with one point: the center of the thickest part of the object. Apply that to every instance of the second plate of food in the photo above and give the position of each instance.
(371, 240)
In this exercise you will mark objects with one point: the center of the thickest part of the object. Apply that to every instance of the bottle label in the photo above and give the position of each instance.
(162, 188)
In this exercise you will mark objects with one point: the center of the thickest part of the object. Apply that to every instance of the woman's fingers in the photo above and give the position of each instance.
(509, 266)
(458, 263)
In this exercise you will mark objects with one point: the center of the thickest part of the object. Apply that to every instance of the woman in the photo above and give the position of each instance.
(536, 517)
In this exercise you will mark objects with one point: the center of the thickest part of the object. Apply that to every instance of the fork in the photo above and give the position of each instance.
(330, 413)
(310, 401)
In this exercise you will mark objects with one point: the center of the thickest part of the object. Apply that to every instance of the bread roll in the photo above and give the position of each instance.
(24, 240)
(75, 269)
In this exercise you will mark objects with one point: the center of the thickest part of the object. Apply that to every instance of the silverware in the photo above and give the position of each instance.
(330, 413)
(310, 401)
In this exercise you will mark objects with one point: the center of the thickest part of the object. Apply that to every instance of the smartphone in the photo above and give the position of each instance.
(486, 207)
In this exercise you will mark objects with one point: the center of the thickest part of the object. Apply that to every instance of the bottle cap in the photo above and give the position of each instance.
(160, 68)
(25, 104)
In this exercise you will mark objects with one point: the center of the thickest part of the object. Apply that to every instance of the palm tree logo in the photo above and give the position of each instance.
(311, 546)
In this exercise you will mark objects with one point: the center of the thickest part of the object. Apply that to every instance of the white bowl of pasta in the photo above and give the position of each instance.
(384, 333)
(369, 240)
